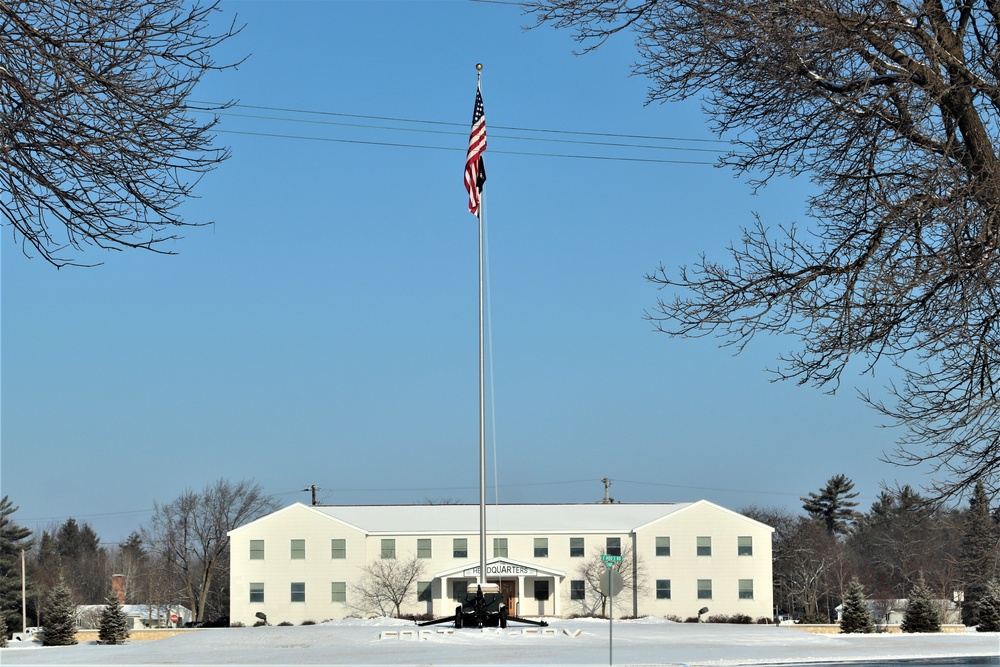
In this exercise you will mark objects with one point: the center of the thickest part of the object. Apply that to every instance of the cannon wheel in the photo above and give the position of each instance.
(503, 616)
(458, 617)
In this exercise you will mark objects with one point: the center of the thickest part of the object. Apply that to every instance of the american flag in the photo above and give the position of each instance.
(475, 170)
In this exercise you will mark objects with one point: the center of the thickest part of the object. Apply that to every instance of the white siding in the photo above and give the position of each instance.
(638, 526)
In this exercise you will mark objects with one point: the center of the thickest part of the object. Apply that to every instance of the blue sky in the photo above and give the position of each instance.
(325, 329)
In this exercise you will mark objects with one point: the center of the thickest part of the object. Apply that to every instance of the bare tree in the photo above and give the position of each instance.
(802, 560)
(787, 534)
(190, 533)
(159, 588)
(99, 141)
(386, 583)
(892, 108)
(630, 568)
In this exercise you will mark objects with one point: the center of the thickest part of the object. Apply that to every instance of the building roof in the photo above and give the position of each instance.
(139, 610)
(509, 519)
(592, 518)
(900, 604)
(429, 519)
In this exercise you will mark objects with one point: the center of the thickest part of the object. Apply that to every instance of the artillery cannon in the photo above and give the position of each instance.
(482, 610)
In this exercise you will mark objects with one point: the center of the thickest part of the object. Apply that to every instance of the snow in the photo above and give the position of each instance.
(647, 641)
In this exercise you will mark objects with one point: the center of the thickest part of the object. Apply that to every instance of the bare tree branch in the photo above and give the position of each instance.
(892, 108)
(191, 533)
(99, 144)
(385, 585)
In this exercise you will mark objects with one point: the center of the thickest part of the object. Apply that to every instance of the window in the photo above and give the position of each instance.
(338, 548)
(744, 546)
(542, 589)
(662, 589)
(576, 547)
(256, 549)
(577, 589)
(704, 589)
(704, 546)
(460, 548)
(541, 547)
(746, 589)
(614, 546)
(424, 548)
(257, 592)
(298, 591)
(499, 547)
(338, 591)
(423, 590)
(298, 549)
(662, 546)
(388, 548)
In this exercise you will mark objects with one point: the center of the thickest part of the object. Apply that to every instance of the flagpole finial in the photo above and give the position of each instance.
(479, 67)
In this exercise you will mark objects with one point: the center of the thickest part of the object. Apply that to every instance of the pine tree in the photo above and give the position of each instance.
(3, 632)
(13, 540)
(856, 615)
(60, 617)
(74, 551)
(978, 552)
(114, 624)
(989, 608)
(834, 505)
(921, 613)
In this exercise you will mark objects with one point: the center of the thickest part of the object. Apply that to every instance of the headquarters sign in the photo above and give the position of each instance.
(502, 569)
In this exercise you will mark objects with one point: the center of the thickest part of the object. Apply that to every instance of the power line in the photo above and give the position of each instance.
(37, 521)
(548, 483)
(85, 516)
(706, 488)
(492, 135)
(610, 140)
(464, 126)
(452, 148)
(424, 489)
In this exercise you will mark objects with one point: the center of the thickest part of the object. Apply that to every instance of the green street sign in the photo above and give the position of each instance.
(608, 558)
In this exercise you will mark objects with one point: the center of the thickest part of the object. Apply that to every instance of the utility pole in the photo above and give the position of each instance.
(24, 601)
(312, 487)
(607, 487)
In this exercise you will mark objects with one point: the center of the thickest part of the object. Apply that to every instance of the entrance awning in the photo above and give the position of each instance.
(501, 567)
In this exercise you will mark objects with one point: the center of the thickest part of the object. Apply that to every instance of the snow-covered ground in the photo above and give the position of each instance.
(648, 641)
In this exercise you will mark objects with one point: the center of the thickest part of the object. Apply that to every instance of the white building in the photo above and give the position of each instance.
(892, 612)
(304, 562)
(137, 616)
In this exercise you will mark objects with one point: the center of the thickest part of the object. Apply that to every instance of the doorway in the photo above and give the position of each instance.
(508, 588)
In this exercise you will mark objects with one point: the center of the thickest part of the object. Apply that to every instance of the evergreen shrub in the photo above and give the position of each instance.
(114, 623)
(856, 615)
(921, 613)
(59, 615)
(989, 608)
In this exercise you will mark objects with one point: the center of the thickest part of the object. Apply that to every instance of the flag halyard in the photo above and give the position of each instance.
(475, 169)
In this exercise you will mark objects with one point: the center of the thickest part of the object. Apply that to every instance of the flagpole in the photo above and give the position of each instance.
(482, 388)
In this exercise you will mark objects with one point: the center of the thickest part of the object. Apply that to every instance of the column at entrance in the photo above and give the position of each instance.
(554, 587)
(520, 595)
(448, 599)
